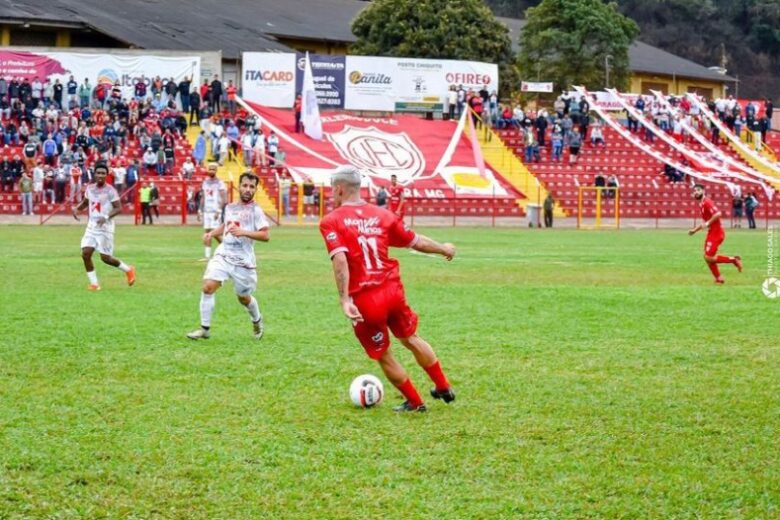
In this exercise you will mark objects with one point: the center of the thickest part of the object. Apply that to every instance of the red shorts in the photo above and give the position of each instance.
(713, 242)
(382, 307)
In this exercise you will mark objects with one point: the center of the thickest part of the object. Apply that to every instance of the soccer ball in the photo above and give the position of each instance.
(366, 391)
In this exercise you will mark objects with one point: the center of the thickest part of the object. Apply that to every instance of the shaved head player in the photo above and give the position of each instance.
(358, 236)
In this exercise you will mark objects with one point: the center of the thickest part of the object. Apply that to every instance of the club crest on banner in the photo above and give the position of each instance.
(380, 153)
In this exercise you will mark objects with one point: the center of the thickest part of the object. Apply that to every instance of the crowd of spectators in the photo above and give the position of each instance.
(748, 121)
(569, 124)
(52, 133)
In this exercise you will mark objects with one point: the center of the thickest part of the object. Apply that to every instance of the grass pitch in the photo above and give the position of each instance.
(599, 374)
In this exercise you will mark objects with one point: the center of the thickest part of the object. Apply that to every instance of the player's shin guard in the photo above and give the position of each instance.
(92, 276)
(254, 310)
(437, 376)
(410, 393)
(724, 259)
(123, 267)
(715, 270)
(206, 309)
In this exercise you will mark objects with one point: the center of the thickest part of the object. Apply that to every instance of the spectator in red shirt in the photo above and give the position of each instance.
(205, 92)
(297, 109)
(231, 91)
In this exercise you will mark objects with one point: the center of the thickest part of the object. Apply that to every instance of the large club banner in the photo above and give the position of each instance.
(99, 68)
(363, 82)
(401, 145)
(328, 72)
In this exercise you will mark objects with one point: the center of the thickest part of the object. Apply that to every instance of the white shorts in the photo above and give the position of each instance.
(37, 187)
(102, 241)
(308, 199)
(244, 279)
(211, 220)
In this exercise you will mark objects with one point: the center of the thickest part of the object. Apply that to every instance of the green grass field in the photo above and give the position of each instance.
(599, 374)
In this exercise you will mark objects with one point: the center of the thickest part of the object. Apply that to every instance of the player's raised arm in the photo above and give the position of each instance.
(424, 244)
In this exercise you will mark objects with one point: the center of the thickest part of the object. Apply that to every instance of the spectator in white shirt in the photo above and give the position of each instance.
(273, 146)
(188, 168)
(120, 174)
(37, 89)
(223, 146)
(150, 161)
(452, 101)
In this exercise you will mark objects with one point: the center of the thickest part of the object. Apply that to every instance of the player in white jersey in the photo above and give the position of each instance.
(213, 197)
(103, 202)
(243, 223)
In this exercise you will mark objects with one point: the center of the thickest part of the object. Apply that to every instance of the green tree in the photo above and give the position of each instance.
(444, 29)
(568, 41)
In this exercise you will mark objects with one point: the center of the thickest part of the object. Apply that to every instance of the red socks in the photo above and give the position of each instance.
(724, 259)
(437, 376)
(410, 393)
(714, 268)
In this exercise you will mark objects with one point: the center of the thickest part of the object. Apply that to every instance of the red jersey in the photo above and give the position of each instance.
(708, 209)
(395, 196)
(365, 233)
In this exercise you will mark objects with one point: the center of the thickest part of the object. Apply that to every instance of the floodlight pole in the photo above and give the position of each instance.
(606, 69)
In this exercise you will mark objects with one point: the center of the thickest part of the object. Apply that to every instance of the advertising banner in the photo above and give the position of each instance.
(411, 84)
(98, 68)
(328, 74)
(269, 78)
(607, 101)
(535, 86)
(363, 82)
(371, 84)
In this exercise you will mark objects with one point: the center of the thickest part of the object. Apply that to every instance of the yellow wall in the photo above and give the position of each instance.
(5, 36)
(675, 85)
(314, 46)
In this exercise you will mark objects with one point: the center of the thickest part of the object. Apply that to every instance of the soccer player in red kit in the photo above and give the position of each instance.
(715, 235)
(358, 236)
(397, 199)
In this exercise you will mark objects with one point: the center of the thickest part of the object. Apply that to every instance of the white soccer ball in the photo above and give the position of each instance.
(366, 391)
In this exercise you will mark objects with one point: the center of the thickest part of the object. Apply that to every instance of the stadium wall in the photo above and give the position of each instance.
(675, 85)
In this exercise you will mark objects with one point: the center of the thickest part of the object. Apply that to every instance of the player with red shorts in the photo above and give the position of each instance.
(358, 236)
(715, 235)
(397, 201)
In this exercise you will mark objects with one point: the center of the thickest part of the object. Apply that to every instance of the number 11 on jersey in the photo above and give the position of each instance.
(368, 245)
